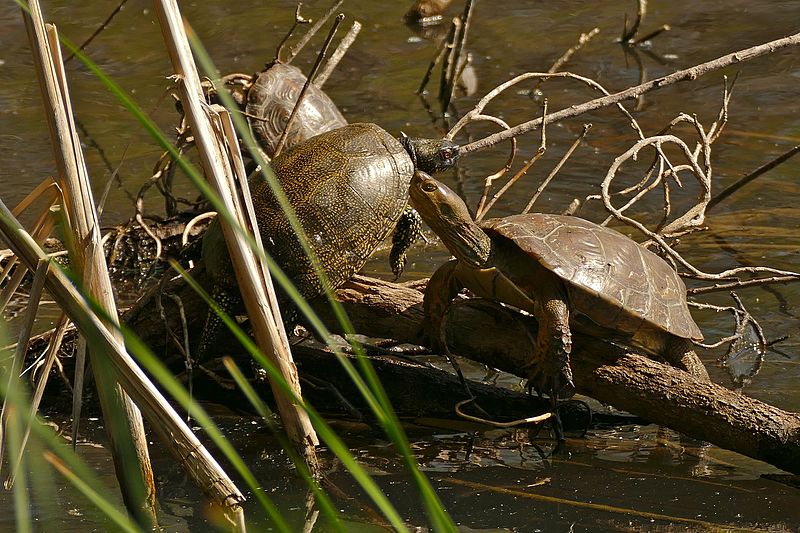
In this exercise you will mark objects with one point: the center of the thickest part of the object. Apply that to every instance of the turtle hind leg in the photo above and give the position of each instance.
(680, 353)
(407, 231)
(228, 303)
(549, 370)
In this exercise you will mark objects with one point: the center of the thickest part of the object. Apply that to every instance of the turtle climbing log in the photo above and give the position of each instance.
(567, 272)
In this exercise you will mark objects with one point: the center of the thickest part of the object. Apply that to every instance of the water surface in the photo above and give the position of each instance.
(624, 478)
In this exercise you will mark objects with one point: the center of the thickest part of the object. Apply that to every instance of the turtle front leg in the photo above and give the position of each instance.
(442, 288)
(407, 231)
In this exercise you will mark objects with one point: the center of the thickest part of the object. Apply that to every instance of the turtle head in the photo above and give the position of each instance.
(431, 155)
(447, 215)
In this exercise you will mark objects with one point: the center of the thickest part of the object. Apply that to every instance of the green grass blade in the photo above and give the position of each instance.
(377, 398)
(20, 417)
(119, 518)
(367, 381)
(323, 430)
(164, 377)
(265, 413)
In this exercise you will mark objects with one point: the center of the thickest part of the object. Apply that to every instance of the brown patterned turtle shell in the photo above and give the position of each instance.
(272, 98)
(348, 187)
(615, 282)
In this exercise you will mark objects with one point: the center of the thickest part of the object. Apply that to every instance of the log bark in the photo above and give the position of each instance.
(657, 392)
(484, 332)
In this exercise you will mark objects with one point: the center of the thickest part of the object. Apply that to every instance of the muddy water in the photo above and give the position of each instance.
(626, 478)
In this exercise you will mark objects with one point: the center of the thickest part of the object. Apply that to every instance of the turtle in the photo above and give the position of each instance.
(566, 271)
(271, 99)
(348, 187)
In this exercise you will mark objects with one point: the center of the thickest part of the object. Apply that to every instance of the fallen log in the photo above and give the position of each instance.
(656, 392)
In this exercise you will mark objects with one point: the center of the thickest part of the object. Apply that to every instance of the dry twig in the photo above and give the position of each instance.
(338, 54)
(689, 74)
(298, 105)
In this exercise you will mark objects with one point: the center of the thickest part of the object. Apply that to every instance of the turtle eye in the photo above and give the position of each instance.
(447, 153)
(429, 186)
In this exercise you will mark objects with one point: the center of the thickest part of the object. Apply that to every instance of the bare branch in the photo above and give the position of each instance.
(549, 178)
(689, 74)
(763, 169)
(504, 135)
(481, 213)
(298, 105)
(337, 55)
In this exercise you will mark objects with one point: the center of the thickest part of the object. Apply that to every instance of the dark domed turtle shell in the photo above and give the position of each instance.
(272, 98)
(348, 187)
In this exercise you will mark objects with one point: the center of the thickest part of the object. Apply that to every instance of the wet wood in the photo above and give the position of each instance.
(654, 391)
(484, 332)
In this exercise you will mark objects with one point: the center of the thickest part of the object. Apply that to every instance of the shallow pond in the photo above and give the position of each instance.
(627, 478)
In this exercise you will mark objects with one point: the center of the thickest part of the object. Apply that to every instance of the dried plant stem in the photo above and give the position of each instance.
(313, 30)
(15, 368)
(41, 229)
(740, 284)
(99, 30)
(689, 74)
(514, 423)
(487, 185)
(53, 346)
(752, 175)
(164, 421)
(693, 217)
(454, 65)
(441, 50)
(566, 56)
(482, 210)
(476, 113)
(641, 11)
(652, 35)
(219, 169)
(122, 418)
(337, 55)
(299, 104)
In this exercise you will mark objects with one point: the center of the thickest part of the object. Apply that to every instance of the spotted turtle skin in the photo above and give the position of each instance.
(271, 99)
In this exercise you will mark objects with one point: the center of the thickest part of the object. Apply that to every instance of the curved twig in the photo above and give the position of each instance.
(549, 178)
(530, 420)
(487, 185)
(533, 124)
(481, 213)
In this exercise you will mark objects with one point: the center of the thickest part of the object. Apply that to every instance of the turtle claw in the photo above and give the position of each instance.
(556, 383)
